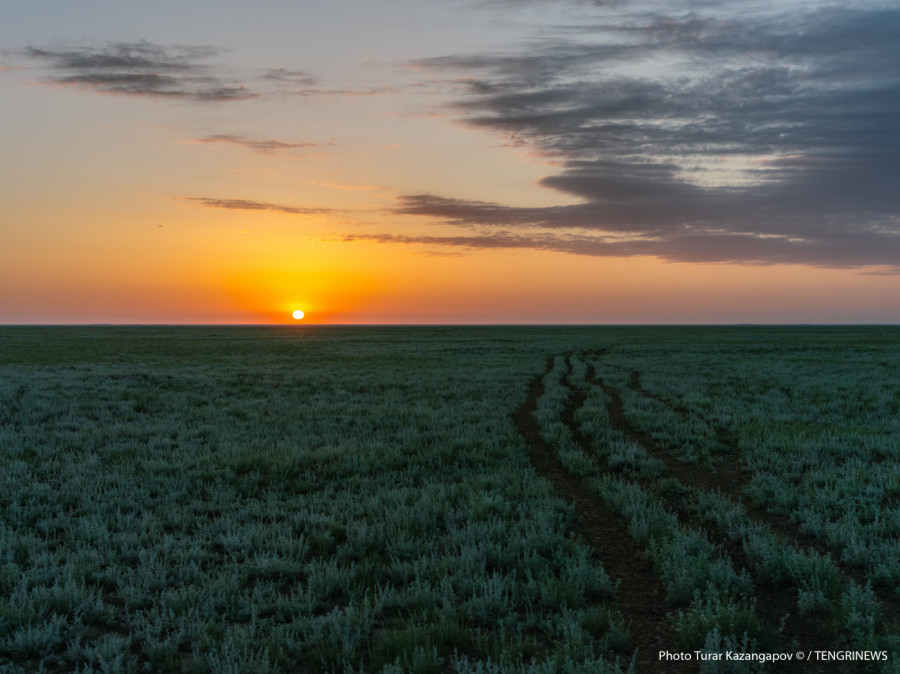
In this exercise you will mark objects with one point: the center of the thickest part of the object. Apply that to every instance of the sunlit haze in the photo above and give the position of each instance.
(482, 161)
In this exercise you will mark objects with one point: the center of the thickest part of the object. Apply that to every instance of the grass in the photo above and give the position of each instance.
(359, 499)
(204, 499)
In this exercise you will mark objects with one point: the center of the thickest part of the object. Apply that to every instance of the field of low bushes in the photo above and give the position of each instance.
(349, 499)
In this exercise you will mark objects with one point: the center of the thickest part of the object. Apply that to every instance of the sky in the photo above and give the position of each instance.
(450, 161)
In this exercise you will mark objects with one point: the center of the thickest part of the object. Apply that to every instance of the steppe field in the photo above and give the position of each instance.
(449, 499)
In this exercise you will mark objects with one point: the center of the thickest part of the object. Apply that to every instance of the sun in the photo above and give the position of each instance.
(298, 314)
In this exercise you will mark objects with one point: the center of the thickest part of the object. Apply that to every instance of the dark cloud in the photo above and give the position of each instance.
(685, 246)
(309, 91)
(259, 145)
(292, 78)
(704, 133)
(248, 205)
(324, 91)
(301, 83)
(140, 69)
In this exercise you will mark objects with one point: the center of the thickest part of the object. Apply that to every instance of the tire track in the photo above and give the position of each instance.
(773, 606)
(729, 478)
(640, 594)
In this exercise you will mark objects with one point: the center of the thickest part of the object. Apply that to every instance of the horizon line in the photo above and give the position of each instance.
(436, 325)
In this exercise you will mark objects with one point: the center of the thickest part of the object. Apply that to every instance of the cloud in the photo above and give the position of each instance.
(248, 205)
(694, 132)
(258, 145)
(301, 83)
(290, 77)
(326, 91)
(140, 69)
(699, 247)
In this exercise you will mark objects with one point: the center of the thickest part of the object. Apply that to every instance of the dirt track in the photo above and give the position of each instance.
(641, 594)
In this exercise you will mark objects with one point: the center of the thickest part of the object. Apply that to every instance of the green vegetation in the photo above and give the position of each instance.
(364, 499)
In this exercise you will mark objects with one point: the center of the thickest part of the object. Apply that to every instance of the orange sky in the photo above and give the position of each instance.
(156, 173)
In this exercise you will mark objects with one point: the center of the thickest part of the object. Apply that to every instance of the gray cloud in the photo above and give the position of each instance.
(301, 83)
(699, 247)
(140, 69)
(712, 135)
(293, 78)
(308, 91)
(259, 145)
(248, 205)
(146, 69)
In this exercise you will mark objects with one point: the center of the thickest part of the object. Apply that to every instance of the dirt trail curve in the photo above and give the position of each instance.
(640, 595)
(730, 478)
(773, 605)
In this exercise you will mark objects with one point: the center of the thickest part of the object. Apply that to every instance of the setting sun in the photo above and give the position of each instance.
(231, 183)
(599, 343)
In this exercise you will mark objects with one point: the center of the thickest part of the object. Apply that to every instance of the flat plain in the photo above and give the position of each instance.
(448, 499)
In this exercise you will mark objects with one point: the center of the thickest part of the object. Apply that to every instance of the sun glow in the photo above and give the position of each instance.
(298, 314)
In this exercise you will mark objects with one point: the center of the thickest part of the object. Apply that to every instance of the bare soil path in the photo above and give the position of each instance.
(775, 606)
(640, 595)
(730, 478)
